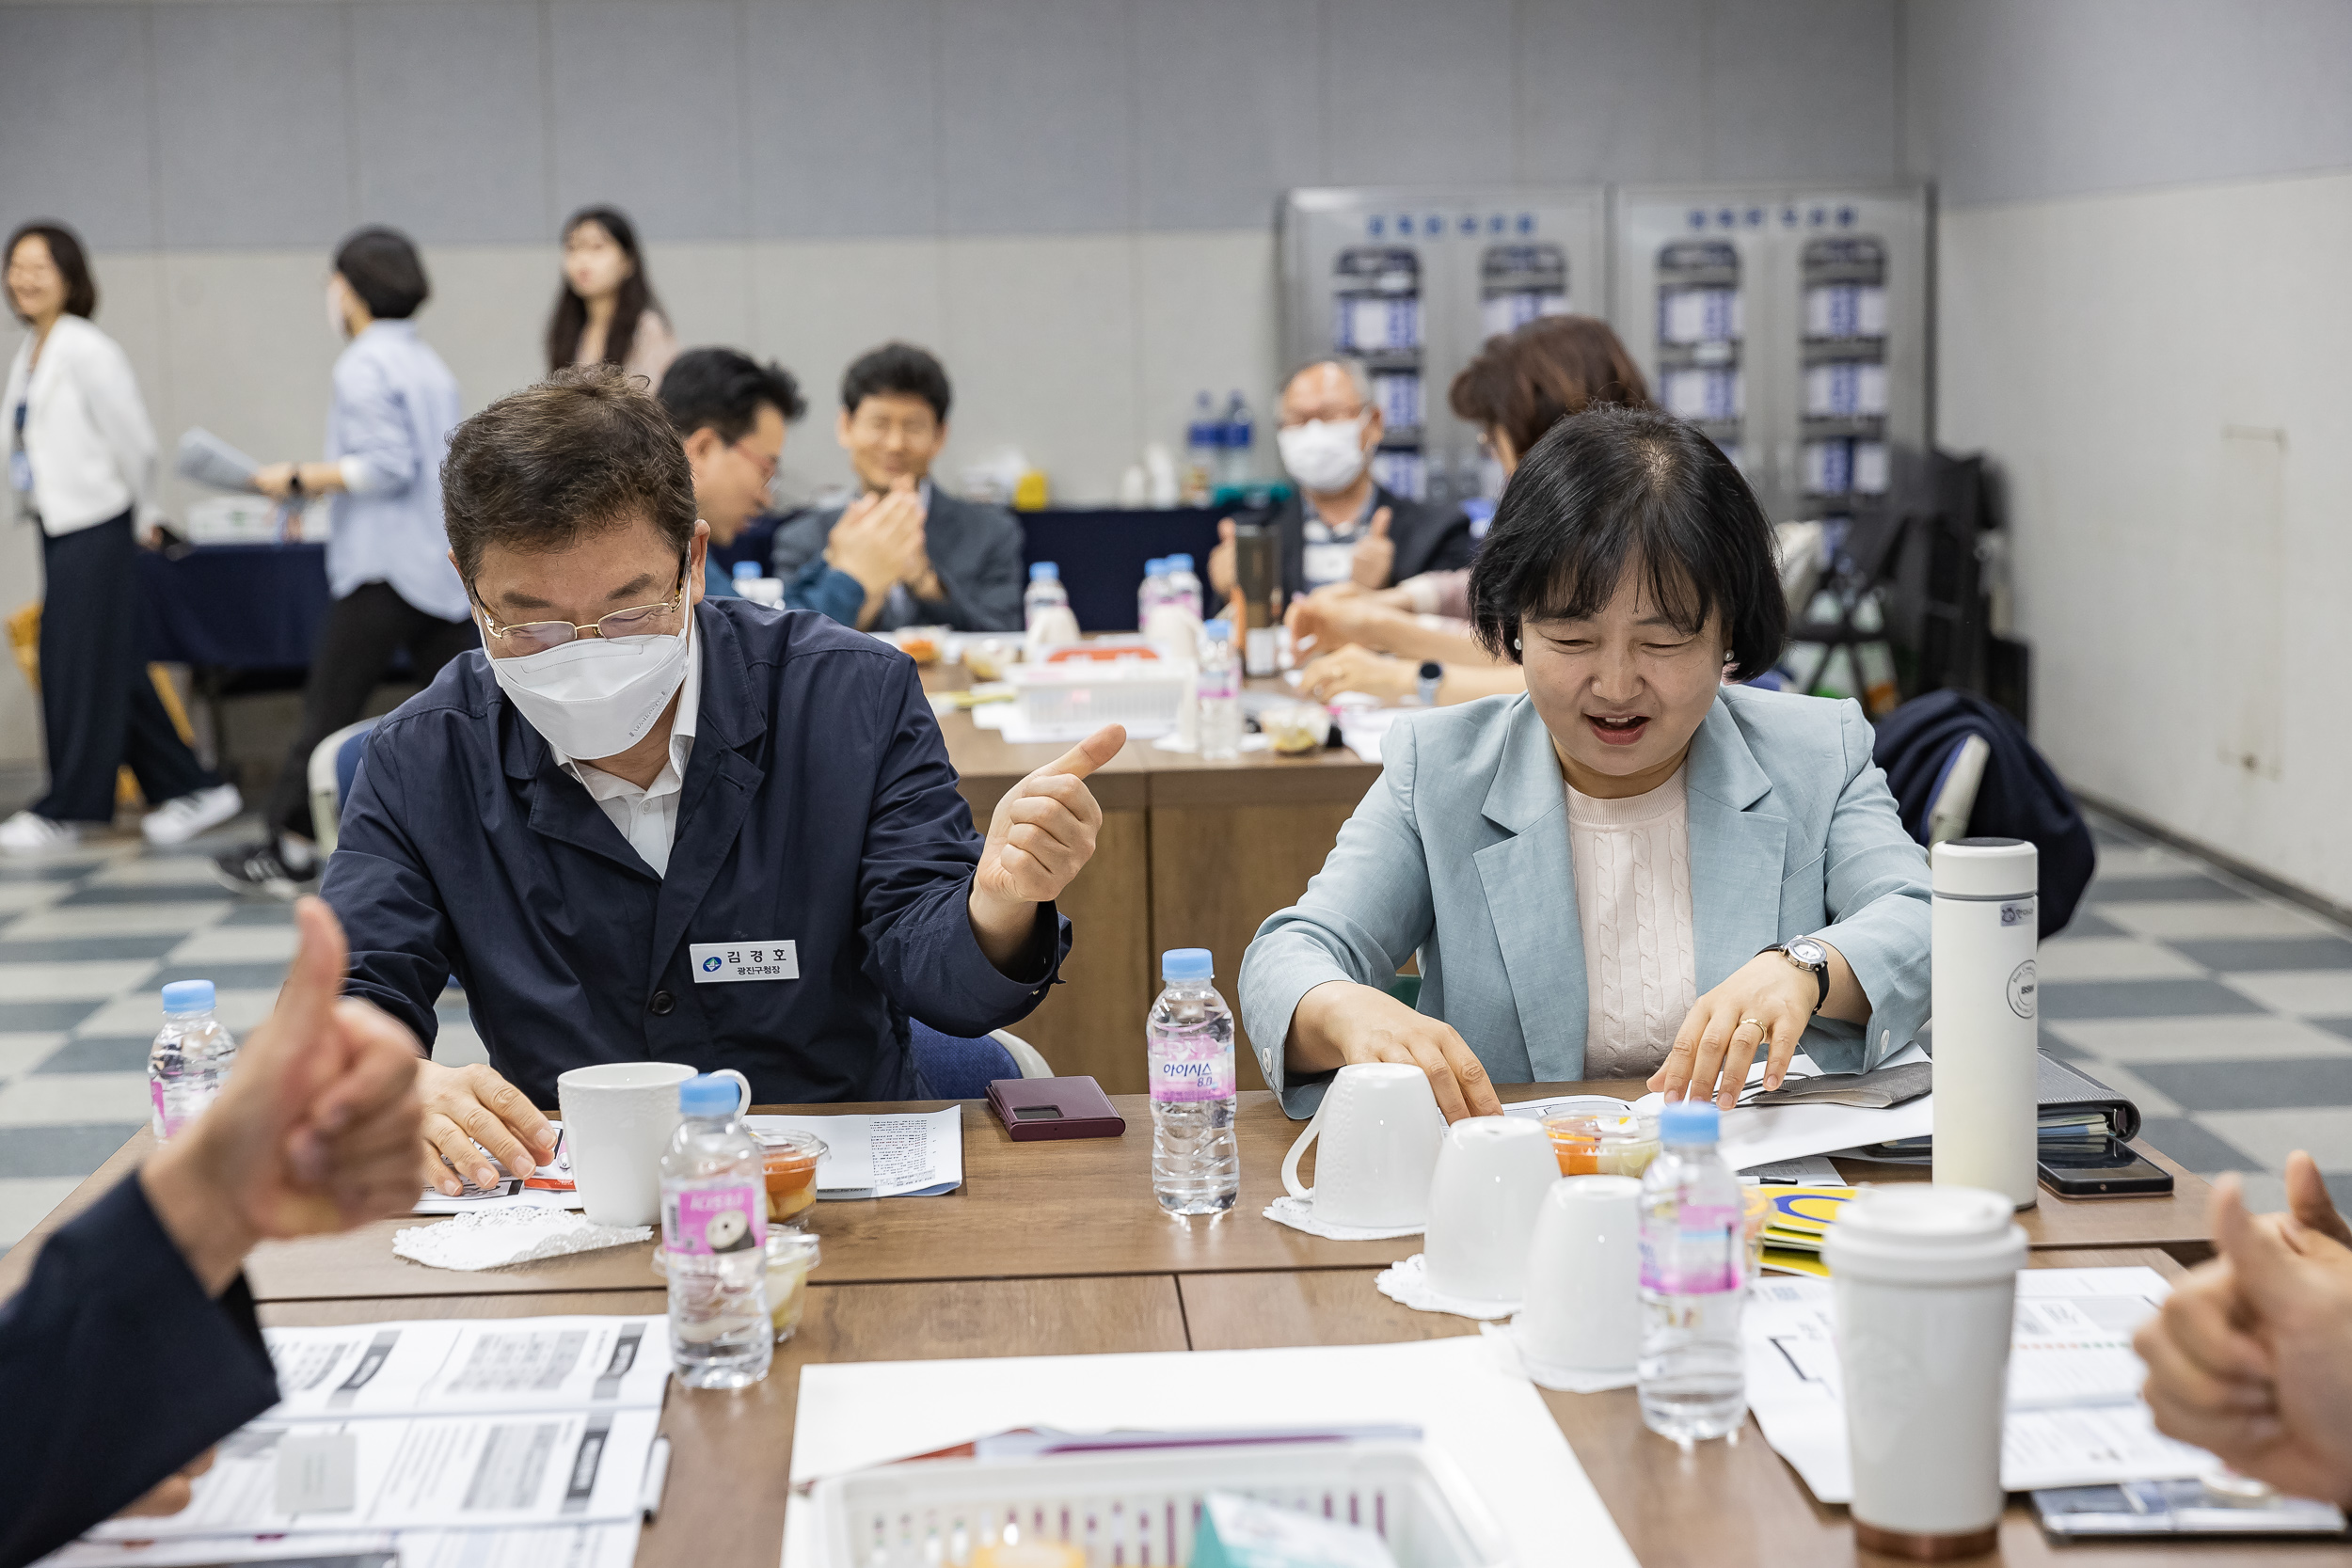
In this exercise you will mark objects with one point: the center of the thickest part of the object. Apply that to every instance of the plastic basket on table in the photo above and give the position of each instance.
(1136, 1509)
(1071, 700)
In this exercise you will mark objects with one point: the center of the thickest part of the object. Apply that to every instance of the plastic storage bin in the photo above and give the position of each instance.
(1137, 1509)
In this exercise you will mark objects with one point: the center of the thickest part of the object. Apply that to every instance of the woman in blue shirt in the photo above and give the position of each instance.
(388, 558)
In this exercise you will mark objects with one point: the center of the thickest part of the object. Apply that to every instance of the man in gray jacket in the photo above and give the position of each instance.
(966, 573)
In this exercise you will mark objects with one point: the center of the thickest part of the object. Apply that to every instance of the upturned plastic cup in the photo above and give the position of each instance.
(1925, 1283)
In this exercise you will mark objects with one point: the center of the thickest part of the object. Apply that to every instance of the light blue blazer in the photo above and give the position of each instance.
(1461, 853)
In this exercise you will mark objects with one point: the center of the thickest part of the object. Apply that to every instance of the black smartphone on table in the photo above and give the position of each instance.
(2100, 1167)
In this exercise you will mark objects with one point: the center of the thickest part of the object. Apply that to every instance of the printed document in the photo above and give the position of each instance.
(470, 1364)
(919, 1154)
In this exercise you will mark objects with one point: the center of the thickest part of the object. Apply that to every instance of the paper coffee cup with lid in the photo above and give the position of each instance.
(1925, 1284)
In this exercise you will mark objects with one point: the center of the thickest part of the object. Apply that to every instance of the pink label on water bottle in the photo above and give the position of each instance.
(1700, 1255)
(1184, 1072)
(168, 1122)
(1215, 686)
(717, 1218)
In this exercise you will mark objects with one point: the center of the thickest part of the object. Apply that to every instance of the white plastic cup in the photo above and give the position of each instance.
(618, 1120)
(1583, 1311)
(1925, 1284)
(1984, 932)
(1491, 1178)
(1379, 1128)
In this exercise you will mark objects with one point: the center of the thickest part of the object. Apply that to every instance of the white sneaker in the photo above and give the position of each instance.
(178, 820)
(28, 834)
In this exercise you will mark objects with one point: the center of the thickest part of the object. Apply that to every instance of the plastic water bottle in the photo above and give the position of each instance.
(1233, 450)
(1184, 588)
(1218, 688)
(1204, 439)
(1151, 593)
(1196, 1165)
(745, 571)
(1044, 592)
(1691, 1375)
(714, 1240)
(190, 1058)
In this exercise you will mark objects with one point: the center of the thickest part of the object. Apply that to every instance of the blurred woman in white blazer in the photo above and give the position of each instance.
(82, 467)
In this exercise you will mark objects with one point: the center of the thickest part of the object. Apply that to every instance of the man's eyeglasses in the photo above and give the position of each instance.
(767, 465)
(537, 636)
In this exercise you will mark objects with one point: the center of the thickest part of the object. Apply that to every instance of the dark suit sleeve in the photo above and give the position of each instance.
(116, 1368)
(800, 540)
(1441, 541)
(982, 574)
(391, 912)
(832, 594)
(915, 875)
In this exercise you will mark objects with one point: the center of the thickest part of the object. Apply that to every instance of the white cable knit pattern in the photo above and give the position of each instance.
(1631, 862)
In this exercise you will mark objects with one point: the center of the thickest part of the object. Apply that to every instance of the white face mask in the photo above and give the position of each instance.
(592, 698)
(1323, 454)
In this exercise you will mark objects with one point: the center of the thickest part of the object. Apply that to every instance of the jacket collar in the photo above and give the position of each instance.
(1722, 766)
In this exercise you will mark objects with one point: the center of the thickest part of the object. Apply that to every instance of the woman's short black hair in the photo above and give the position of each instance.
(65, 252)
(900, 369)
(384, 270)
(1612, 490)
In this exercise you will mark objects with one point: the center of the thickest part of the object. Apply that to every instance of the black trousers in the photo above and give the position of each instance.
(97, 700)
(355, 646)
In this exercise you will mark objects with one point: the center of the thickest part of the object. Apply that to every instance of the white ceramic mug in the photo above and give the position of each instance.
(617, 1119)
(1379, 1126)
(1491, 1178)
(1583, 1309)
(1925, 1282)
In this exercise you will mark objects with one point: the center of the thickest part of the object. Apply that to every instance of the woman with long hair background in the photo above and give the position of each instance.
(607, 312)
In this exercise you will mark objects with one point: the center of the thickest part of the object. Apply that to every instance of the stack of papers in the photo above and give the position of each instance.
(2076, 1417)
(1792, 1234)
(919, 1155)
(527, 1437)
(548, 1187)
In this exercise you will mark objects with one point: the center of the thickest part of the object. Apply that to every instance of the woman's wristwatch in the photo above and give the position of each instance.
(1426, 681)
(1805, 954)
(293, 480)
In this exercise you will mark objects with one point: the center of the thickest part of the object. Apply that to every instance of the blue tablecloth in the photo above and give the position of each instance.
(259, 607)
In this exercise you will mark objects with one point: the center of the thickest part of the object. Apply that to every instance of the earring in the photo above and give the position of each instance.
(1515, 645)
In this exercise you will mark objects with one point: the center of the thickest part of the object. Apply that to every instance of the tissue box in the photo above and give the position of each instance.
(1239, 1532)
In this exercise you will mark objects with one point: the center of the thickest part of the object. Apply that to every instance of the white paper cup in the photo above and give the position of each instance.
(618, 1119)
(1379, 1126)
(1492, 1176)
(1583, 1311)
(1925, 1282)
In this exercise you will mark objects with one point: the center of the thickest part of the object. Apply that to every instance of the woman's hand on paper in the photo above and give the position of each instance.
(171, 1493)
(1339, 1023)
(1767, 1002)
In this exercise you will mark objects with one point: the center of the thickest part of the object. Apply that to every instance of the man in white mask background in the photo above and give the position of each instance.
(643, 825)
(1347, 528)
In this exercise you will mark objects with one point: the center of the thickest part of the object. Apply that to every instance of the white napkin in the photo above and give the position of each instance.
(1409, 1282)
(494, 1238)
(1299, 1214)
(1566, 1380)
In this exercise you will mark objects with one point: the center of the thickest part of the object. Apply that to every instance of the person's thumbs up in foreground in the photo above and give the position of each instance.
(2252, 1357)
(1040, 834)
(1375, 555)
(314, 1132)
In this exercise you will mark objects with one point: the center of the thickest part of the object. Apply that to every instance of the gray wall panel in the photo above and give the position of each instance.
(1611, 91)
(77, 122)
(449, 119)
(648, 112)
(1036, 107)
(842, 110)
(252, 105)
(2018, 100)
(1802, 88)
(1228, 110)
(1415, 93)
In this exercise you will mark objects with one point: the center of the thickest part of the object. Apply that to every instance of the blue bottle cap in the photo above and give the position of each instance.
(746, 569)
(1179, 563)
(1187, 963)
(1154, 566)
(188, 996)
(706, 1094)
(1219, 630)
(1690, 1121)
(1045, 569)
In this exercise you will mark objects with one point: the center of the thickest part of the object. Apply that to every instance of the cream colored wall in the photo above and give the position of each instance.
(2161, 376)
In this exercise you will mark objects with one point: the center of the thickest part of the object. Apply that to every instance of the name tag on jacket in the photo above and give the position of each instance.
(717, 962)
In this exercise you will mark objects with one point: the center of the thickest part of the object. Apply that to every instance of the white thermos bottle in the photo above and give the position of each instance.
(1985, 931)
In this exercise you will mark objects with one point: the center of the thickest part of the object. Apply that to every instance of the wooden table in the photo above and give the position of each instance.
(1055, 1248)
(1193, 854)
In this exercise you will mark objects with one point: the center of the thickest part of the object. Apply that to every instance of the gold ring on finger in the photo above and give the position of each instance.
(1757, 1022)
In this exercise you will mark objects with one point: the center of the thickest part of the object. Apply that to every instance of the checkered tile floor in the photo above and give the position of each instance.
(2227, 1014)
(87, 938)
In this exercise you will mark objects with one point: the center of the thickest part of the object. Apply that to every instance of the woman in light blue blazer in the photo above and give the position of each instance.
(1635, 870)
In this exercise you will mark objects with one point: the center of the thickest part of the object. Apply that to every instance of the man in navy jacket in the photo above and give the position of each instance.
(640, 825)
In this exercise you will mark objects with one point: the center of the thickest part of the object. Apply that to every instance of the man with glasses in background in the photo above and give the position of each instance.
(655, 826)
(964, 567)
